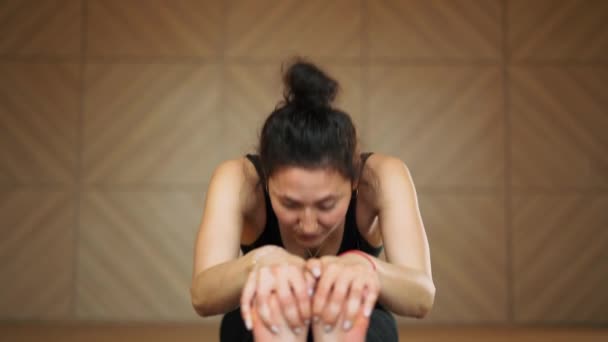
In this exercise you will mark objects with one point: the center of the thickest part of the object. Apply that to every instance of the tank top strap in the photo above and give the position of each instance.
(271, 234)
(364, 157)
(257, 163)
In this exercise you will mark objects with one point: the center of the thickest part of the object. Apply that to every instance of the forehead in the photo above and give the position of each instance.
(298, 177)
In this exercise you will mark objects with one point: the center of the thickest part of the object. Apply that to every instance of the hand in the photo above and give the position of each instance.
(347, 284)
(276, 271)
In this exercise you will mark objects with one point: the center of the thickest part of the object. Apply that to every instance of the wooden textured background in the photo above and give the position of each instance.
(113, 114)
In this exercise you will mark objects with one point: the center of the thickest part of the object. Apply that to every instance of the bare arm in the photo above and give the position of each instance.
(219, 274)
(405, 277)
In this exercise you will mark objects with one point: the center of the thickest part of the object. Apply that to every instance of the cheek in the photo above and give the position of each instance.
(332, 218)
(286, 217)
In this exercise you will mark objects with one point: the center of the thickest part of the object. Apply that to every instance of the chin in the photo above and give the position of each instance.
(309, 242)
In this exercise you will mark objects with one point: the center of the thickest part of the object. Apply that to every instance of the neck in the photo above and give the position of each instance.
(312, 252)
(326, 247)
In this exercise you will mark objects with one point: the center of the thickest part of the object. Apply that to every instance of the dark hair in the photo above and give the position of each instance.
(305, 130)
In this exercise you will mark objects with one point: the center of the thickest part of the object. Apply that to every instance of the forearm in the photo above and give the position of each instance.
(405, 291)
(217, 289)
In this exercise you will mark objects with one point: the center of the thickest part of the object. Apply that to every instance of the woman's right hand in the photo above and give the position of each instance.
(277, 271)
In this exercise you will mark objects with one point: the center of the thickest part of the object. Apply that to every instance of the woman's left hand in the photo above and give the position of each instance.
(346, 285)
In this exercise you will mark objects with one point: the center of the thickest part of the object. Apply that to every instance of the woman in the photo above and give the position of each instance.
(311, 215)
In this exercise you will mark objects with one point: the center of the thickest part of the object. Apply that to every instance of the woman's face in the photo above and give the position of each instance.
(309, 203)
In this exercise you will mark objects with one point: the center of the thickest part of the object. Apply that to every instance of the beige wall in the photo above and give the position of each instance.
(114, 113)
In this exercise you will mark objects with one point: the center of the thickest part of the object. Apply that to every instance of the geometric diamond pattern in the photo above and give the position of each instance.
(135, 254)
(181, 28)
(560, 121)
(445, 122)
(560, 254)
(468, 254)
(278, 29)
(159, 126)
(36, 253)
(435, 29)
(558, 30)
(114, 115)
(39, 109)
(47, 27)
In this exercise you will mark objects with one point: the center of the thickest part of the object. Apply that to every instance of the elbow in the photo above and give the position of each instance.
(199, 309)
(198, 303)
(426, 301)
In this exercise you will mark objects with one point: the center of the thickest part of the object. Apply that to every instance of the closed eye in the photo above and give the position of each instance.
(291, 205)
(327, 206)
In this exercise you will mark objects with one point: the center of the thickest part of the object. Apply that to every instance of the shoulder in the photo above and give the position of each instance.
(383, 169)
(240, 170)
(383, 174)
(238, 177)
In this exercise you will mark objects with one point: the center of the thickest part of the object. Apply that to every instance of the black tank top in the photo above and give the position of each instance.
(271, 235)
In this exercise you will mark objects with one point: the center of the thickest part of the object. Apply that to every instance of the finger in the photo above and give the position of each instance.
(260, 329)
(247, 299)
(275, 309)
(353, 304)
(301, 290)
(315, 267)
(265, 286)
(286, 298)
(311, 283)
(323, 291)
(369, 300)
(337, 299)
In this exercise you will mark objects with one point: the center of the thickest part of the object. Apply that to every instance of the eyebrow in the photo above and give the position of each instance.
(324, 199)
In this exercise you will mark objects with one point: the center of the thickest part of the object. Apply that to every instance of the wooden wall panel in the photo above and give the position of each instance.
(547, 30)
(275, 29)
(560, 120)
(41, 27)
(162, 28)
(423, 30)
(36, 253)
(135, 254)
(446, 123)
(560, 253)
(39, 112)
(151, 123)
(113, 115)
(468, 255)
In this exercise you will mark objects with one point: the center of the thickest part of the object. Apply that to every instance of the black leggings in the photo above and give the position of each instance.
(382, 327)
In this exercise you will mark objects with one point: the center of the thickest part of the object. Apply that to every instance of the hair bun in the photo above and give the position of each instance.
(308, 86)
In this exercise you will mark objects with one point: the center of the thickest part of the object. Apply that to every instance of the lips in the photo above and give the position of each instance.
(308, 237)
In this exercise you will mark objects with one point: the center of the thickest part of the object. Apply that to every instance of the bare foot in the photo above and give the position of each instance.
(283, 331)
(356, 333)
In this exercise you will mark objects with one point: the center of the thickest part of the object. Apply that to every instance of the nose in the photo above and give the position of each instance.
(308, 221)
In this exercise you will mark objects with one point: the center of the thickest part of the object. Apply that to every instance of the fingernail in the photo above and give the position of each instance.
(311, 291)
(328, 328)
(347, 324)
(315, 319)
(367, 312)
(248, 324)
(297, 330)
(316, 272)
(274, 329)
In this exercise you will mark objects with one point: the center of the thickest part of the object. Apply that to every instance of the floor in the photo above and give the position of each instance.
(98, 332)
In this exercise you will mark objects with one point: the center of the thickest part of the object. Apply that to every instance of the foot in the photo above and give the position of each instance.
(355, 332)
(282, 331)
